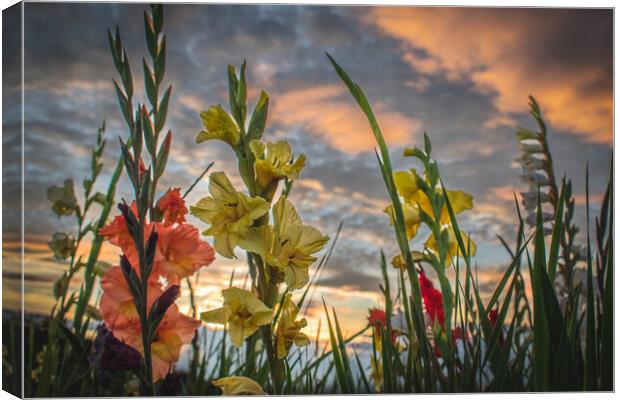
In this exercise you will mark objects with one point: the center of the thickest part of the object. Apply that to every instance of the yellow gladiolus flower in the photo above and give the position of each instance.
(274, 161)
(288, 245)
(453, 246)
(398, 261)
(218, 125)
(242, 311)
(406, 183)
(229, 212)
(288, 330)
(412, 219)
(238, 386)
(376, 373)
(407, 187)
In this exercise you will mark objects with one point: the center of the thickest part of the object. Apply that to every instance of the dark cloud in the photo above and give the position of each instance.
(69, 93)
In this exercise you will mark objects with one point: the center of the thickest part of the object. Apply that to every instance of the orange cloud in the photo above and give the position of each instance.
(329, 112)
(499, 51)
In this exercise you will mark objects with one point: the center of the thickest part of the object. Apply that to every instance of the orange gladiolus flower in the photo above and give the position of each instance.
(174, 331)
(172, 207)
(116, 231)
(121, 317)
(180, 252)
(116, 305)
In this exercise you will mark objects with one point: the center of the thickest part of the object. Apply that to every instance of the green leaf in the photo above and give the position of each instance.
(126, 108)
(151, 36)
(160, 62)
(126, 76)
(259, 117)
(233, 85)
(590, 372)
(541, 330)
(149, 83)
(162, 112)
(558, 231)
(241, 97)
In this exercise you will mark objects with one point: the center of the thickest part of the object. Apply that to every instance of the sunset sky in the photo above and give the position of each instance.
(461, 74)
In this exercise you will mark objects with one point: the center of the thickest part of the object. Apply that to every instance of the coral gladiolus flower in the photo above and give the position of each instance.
(230, 213)
(116, 232)
(242, 311)
(174, 330)
(288, 246)
(238, 386)
(180, 252)
(172, 207)
(288, 330)
(117, 304)
(432, 299)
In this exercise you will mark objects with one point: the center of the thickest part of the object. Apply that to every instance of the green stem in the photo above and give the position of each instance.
(89, 277)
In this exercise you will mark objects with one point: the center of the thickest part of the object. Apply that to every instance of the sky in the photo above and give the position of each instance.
(460, 74)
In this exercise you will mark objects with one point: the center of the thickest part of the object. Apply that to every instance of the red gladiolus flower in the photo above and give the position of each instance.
(377, 318)
(172, 207)
(432, 300)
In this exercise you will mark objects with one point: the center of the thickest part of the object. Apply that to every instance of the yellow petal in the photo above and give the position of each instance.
(237, 332)
(285, 215)
(296, 277)
(224, 243)
(306, 238)
(238, 386)
(460, 201)
(216, 316)
(218, 125)
(258, 240)
(221, 188)
(406, 183)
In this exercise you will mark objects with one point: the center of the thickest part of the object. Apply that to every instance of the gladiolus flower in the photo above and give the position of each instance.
(117, 304)
(407, 187)
(230, 213)
(377, 318)
(412, 218)
(288, 331)
(242, 311)
(62, 245)
(180, 252)
(238, 386)
(63, 198)
(454, 249)
(288, 246)
(276, 163)
(116, 232)
(174, 330)
(398, 261)
(432, 299)
(376, 372)
(218, 125)
(172, 207)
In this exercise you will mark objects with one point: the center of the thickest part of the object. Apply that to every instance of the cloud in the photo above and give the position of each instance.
(561, 56)
(328, 112)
